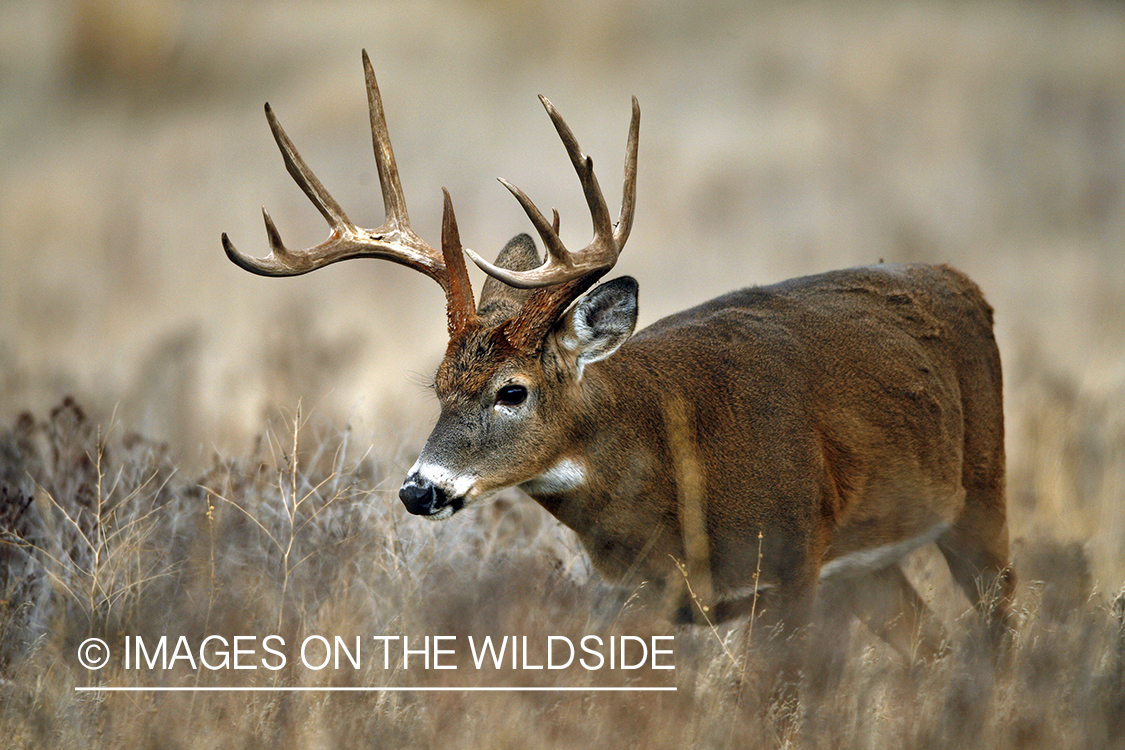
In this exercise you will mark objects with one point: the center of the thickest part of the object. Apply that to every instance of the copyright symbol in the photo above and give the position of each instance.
(93, 653)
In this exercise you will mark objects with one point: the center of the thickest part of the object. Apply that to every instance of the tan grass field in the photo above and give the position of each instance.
(228, 460)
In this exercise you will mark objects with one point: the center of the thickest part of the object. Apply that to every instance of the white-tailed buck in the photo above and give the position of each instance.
(831, 423)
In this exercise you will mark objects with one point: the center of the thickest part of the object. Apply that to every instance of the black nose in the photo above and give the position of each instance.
(421, 497)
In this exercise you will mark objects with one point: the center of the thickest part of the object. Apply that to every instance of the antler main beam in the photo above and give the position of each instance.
(601, 254)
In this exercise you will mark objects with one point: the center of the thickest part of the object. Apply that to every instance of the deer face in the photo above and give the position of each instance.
(507, 415)
(490, 433)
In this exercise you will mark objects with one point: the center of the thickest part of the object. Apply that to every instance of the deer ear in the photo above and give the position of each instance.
(498, 301)
(600, 322)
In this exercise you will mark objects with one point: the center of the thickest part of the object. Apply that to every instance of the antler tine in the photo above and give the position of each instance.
(281, 261)
(394, 201)
(584, 166)
(629, 189)
(304, 177)
(548, 229)
(460, 311)
(601, 254)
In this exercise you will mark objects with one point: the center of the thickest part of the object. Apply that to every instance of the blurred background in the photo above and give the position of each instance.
(777, 139)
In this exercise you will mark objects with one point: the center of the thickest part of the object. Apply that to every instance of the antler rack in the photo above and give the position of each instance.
(563, 276)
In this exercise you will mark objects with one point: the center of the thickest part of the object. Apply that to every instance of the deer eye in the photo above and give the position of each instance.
(511, 395)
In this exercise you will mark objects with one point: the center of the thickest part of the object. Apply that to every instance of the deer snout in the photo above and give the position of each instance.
(423, 497)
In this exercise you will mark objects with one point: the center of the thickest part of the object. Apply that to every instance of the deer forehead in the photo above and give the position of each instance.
(476, 360)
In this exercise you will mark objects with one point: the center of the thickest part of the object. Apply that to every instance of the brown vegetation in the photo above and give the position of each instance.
(782, 139)
(103, 539)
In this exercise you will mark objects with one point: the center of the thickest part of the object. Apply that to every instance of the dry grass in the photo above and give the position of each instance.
(778, 139)
(103, 539)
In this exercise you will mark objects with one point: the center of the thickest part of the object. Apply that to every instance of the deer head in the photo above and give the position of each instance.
(512, 371)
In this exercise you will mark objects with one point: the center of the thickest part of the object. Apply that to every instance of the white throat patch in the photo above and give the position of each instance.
(566, 475)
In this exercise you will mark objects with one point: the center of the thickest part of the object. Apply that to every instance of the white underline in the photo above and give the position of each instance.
(395, 689)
